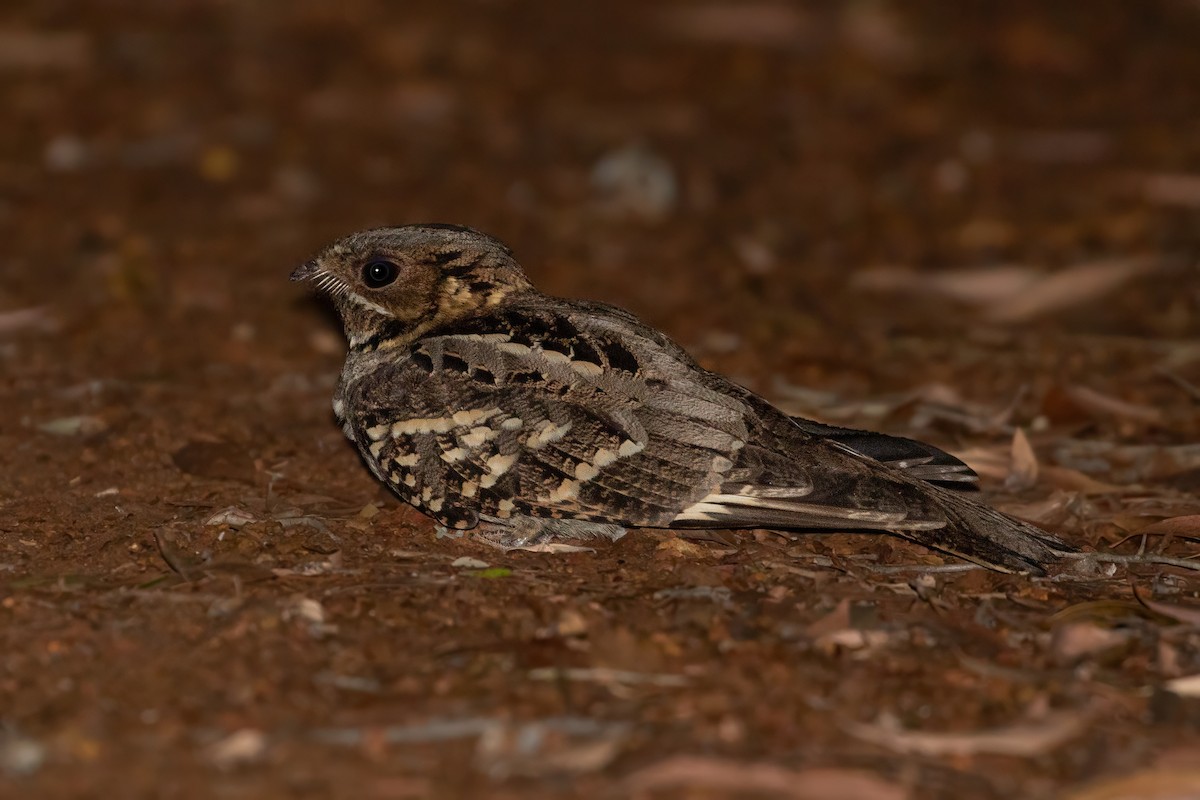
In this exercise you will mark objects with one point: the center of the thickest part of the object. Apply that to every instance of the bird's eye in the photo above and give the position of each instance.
(378, 274)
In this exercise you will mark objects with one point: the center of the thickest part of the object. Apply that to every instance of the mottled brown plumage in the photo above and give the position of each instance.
(489, 405)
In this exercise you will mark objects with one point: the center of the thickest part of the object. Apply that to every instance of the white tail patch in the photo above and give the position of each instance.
(720, 506)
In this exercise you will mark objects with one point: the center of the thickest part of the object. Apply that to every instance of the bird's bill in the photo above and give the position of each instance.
(306, 270)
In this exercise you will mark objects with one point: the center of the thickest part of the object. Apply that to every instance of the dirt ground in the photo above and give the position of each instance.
(976, 223)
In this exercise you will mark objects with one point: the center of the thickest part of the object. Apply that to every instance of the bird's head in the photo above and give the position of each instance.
(397, 283)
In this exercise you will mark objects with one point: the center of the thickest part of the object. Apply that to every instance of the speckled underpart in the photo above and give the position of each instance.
(487, 404)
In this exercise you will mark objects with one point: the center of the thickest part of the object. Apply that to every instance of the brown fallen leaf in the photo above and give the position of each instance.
(1184, 614)
(1127, 463)
(758, 23)
(1187, 686)
(1172, 188)
(1023, 473)
(1103, 405)
(1078, 640)
(1185, 527)
(973, 286)
(742, 778)
(1013, 293)
(1021, 740)
(1073, 286)
(1156, 783)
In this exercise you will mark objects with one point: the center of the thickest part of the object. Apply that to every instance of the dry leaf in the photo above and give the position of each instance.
(761, 23)
(1172, 189)
(1187, 686)
(972, 286)
(1156, 783)
(1099, 404)
(1073, 286)
(1078, 640)
(1024, 471)
(1185, 527)
(1023, 739)
(1183, 614)
(741, 779)
(1011, 293)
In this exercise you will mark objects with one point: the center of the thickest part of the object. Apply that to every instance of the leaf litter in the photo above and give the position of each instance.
(251, 609)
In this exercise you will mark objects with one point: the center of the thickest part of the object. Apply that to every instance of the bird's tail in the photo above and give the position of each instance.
(988, 537)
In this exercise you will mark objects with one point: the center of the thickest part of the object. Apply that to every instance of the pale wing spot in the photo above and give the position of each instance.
(407, 460)
(394, 477)
(410, 480)
(376, 448)
(630, 448)
(513, 424)
(505, 507)
(546, 433)
(474, 416)
(427, 493)
(604, 457)
(722, 464)
(435, 505)
(513, 348)
(453, 455)
(478, 436)
(499, 464)
(555, 357)
(587, 369)
(469, 488)
(567, 490)
(423, 425)
(737, 444)
(585, 472)
(339, 410)
(376, 432)
(488, 481)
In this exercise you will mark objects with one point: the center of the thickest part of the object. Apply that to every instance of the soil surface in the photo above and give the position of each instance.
(974, 223)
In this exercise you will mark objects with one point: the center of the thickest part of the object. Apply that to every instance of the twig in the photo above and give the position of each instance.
(1183, 383)
(888, 569)
(1118, 558)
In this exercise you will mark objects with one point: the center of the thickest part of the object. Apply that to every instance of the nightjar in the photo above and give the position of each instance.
(491, 406)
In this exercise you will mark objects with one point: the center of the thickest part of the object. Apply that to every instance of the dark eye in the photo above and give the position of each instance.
(378, 274)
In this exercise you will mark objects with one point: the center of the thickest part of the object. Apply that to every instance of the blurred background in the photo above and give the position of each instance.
(966, 221)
